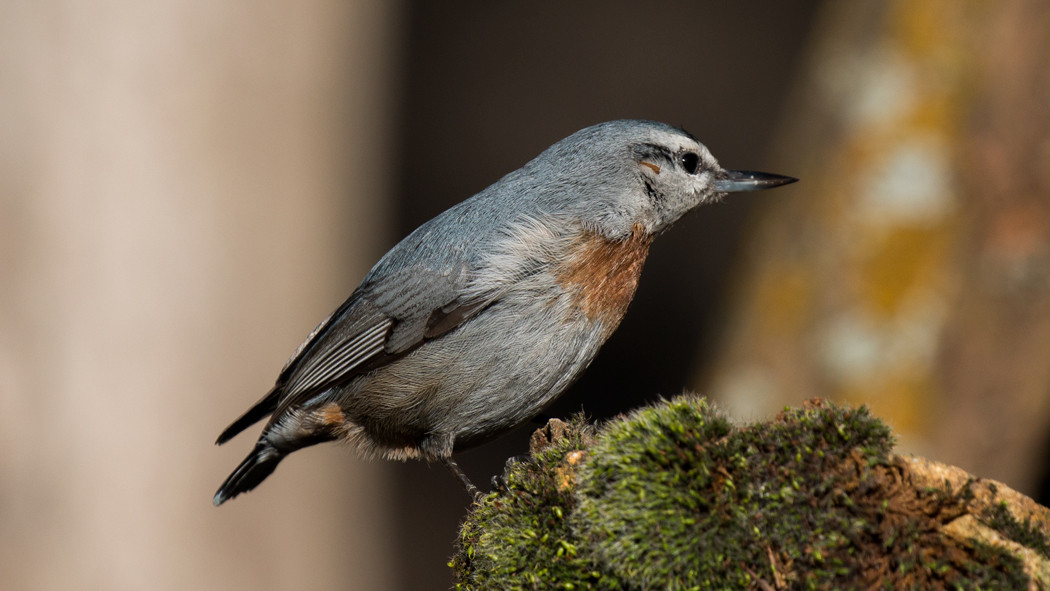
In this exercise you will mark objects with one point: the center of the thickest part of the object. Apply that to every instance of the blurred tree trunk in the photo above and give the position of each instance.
(910, 269)
(994, 367)
(181, 202)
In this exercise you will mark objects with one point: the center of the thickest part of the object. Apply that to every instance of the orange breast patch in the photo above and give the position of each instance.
(602, 274)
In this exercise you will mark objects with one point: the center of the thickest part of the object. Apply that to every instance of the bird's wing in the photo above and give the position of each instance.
(383, 320)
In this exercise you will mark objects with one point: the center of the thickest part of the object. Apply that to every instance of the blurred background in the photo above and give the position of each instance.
(188, 187)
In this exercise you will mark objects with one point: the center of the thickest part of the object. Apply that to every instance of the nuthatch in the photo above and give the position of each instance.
(482, 316)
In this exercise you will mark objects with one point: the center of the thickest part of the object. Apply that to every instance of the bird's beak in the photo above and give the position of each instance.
(736, 181)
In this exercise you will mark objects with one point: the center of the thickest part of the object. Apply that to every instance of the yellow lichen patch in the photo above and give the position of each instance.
(904, 260)
(919, 25)
(575, 457)
(565, 473)
(784, 299)
(901, 398)
(935, 115)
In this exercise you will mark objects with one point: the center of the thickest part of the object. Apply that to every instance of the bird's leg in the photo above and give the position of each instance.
(454, 468)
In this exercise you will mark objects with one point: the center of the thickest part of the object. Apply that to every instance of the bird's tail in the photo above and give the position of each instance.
(260, 410)
(259, 464)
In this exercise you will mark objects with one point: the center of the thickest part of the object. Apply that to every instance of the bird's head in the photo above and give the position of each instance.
(614, 176)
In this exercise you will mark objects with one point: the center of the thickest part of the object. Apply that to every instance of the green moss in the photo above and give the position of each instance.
(722, 508)
(519, 537)
(675, 497)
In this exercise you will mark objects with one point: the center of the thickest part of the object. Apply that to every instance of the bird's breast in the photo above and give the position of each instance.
(601, 275)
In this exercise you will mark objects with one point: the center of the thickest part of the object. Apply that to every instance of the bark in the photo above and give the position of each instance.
(910, 267)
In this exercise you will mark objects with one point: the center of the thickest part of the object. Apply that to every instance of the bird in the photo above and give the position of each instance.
(481, 317)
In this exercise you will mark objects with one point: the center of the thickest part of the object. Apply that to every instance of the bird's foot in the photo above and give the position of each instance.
(499, 481)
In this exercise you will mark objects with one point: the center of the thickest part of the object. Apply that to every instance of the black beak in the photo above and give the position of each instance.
(736, 181)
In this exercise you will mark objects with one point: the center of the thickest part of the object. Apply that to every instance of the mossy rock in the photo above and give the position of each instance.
(675, 496)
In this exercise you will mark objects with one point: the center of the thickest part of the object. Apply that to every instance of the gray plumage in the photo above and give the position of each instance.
(478, 319)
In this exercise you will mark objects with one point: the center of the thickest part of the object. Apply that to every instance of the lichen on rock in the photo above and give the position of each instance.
(674, 496)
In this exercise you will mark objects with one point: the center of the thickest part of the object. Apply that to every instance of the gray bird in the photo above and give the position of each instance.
(482, 316)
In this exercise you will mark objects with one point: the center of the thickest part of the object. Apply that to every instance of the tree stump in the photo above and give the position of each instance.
(675, 496)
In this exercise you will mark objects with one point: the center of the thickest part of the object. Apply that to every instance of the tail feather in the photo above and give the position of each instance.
(259, 411)
(259, 464)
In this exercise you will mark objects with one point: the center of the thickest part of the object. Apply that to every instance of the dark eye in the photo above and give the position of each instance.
(690, 162)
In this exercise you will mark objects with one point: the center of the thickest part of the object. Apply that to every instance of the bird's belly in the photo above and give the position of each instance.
(484, 378)
(536, 358)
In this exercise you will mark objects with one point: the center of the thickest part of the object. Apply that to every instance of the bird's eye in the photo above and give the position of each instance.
(690, 162)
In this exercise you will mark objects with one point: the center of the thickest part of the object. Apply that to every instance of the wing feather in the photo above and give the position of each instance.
(397, 308)
(365, 338)
(341, 359)
(420, 290)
